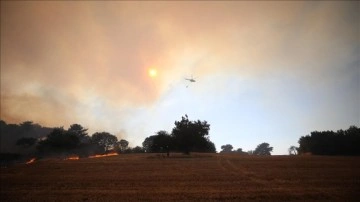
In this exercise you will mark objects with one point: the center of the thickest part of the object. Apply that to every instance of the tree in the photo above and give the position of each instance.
(59, 140)
(305, 144)
(26, 142)
(160, 142)
(263, 149)
(191, 135)
(80, 132)
(123, 145)
(85, 147)
(240, 151)
(11, 133)
(137, 149)
(186, 136)
(104, 140)
(210, 146)
(342, 142)
(27, 127)
(292, 150)
(226, 148)
(148, 143)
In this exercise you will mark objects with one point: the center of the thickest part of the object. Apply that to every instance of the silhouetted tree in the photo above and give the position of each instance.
(85, 147)
(59, 140)
(123, 144)
(104, 140)
(186, 136)
(11, 133)
(209, 146)
(263, 149)
(292, 150)
(147, 143)
(2, 124)
(137, 149)
(26, 142)
(226, 148)
(161, 142)
(26, 126)
(80, 132)
(305, 144)
(331, 143)
(191, 135)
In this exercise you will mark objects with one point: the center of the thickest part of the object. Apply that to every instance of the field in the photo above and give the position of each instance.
(199, 177)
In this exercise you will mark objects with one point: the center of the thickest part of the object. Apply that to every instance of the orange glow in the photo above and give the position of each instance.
(152, 72)
(31, 161)
(73, 158)
(104, 155)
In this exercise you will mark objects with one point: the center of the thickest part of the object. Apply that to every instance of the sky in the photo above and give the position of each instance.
(265, 71)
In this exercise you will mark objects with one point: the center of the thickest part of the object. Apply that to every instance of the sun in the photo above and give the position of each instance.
(152, 72)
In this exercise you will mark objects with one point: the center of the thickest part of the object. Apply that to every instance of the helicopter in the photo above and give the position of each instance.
(191, 79)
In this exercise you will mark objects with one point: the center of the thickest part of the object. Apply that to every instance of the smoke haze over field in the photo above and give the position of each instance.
(266, 71)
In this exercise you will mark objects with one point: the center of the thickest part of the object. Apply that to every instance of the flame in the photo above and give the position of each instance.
(31, 161)
(104, 155)
(73, 158)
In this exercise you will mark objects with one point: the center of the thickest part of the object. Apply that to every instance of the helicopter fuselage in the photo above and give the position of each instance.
(191, 80)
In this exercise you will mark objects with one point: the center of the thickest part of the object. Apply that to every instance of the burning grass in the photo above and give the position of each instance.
(76, 157)
(73, 158)
(195, 178)
(30, 161)
(104, 155)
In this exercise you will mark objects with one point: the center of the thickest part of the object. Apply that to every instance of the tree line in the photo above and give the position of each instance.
(341, 142)
(28, 138)
(262, 149)
(187, 136)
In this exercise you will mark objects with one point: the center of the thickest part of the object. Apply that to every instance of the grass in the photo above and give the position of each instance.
(200, 177)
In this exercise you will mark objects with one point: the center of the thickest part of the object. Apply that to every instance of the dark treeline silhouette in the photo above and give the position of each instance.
(74, 141)
(21, 141)
(187, 136)
(21, 138)
(342, 142)
(261, 149)
(27, 139)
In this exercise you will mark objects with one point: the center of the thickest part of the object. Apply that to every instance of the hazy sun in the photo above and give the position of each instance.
(152, 72)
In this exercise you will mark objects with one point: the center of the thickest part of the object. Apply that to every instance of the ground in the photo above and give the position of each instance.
(198, 177)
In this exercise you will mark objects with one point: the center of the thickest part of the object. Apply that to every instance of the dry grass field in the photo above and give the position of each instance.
(199, 177)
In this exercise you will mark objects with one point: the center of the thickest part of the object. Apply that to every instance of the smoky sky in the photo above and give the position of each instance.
(86, 62)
